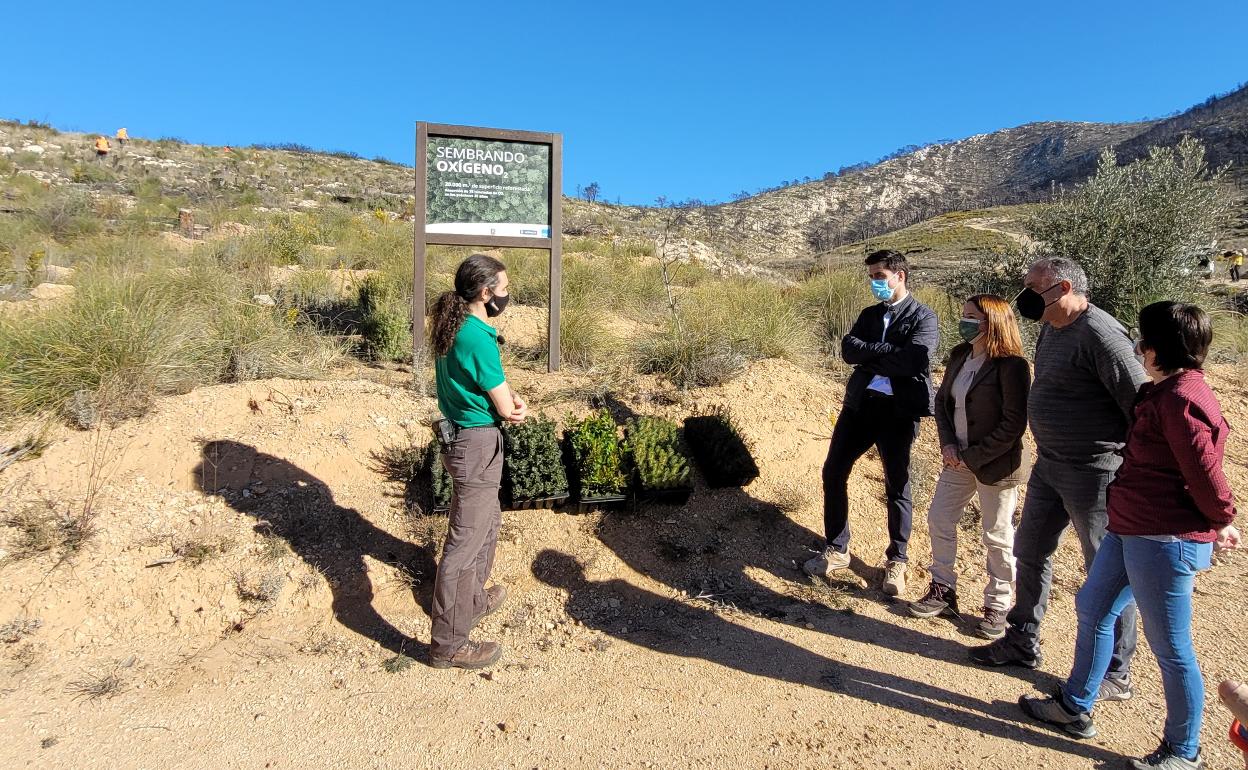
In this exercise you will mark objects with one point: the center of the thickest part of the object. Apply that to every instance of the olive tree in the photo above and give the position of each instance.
(1139, 229)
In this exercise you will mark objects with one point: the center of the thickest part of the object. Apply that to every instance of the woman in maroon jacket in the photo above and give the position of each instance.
(1168, 507)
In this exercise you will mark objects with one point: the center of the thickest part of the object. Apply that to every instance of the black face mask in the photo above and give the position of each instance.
(1031, 304)
(497, 305)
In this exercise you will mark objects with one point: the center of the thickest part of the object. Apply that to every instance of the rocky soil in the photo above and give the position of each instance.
(256, 595)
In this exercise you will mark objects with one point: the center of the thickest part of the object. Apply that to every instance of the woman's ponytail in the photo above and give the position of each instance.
(449, 313)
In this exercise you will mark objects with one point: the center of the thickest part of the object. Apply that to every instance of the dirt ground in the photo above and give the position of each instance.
(291, 630)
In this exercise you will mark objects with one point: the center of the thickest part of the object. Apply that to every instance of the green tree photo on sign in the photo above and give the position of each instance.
(480, 187)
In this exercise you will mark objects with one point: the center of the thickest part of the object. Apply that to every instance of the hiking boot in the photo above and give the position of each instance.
(471, 655)
(939, 600)
(1112, 690)
(1053, 712)
(1164, 758)
(1006, 652)
(826, 563)
(894, 578)
(495, 595)
(993, 624)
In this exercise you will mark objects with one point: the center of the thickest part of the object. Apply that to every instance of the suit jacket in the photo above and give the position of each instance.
(904, 356)
(996, 416)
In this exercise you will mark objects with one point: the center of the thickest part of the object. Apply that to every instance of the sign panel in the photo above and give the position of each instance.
(487, 187)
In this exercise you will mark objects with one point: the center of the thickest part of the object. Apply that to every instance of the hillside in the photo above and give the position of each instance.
(785, 228)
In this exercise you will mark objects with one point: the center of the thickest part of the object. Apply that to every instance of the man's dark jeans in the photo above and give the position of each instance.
(879, 423)
(1061, 495)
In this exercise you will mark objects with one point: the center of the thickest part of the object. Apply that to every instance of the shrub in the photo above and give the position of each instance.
(65, 214)
(440, 484)
(597, 459)
(384, 320)
(1138, 229)
(534, 462)
(720, 451)
(687, 359)
(654, 447)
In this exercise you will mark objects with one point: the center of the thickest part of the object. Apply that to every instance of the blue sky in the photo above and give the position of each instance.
(671, 98)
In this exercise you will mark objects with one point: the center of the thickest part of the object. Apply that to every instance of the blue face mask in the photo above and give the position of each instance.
(881, 289)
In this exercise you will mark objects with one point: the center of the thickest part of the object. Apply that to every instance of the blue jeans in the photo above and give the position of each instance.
(1160, 577)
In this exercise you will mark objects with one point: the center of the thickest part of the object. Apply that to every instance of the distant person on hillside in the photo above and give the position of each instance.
(981, 415)
(101, 147)
(122, 137)
(1086, 377)
(1204, 268)
(1236, 259)
(475, 399)
(890, 348)
(1169, 507)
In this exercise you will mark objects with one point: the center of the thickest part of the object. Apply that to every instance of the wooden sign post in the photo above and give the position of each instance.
(487, 187)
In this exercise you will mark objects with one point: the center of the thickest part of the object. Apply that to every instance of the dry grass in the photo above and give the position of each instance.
(196, 551)
(97, 684)
(18, 628)
(259, 589)
(43, 528)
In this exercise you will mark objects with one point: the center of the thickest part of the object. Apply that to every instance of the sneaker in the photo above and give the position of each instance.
(1005, 652)
(471, 655)
(993, 624)
(494, 597)
(939, 600)
(826, 563)
(1053, 712)
(1113, 690)
(1164, 758)
(894, 578)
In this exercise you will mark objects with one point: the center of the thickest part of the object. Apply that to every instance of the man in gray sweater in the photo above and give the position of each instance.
(1086, 379)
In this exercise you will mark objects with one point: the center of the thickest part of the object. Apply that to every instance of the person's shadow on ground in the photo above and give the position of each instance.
(686, 630)
(294, 505)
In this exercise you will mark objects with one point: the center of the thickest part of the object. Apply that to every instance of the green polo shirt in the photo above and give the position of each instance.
(465, 374)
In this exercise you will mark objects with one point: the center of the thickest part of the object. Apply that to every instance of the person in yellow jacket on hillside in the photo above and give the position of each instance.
(1236, 258)
(101, 147)
(122, 137)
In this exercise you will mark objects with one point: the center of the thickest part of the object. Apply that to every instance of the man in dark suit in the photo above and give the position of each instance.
(890, 348)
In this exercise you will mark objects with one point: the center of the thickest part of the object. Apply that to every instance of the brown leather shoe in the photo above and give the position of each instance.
(471, 655)
(495, 595)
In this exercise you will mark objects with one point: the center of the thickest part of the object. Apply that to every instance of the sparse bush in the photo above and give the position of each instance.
(1138, 229)
(64, 214)
(687, 359)
(384, 320)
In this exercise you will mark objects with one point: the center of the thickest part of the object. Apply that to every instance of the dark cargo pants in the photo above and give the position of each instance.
(474, 462)
(1061, 496)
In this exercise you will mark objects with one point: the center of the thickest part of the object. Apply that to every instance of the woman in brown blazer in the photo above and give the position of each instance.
(981, 415)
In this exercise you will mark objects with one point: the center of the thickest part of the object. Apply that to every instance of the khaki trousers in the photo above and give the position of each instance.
(954, 491)
(475, 464)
